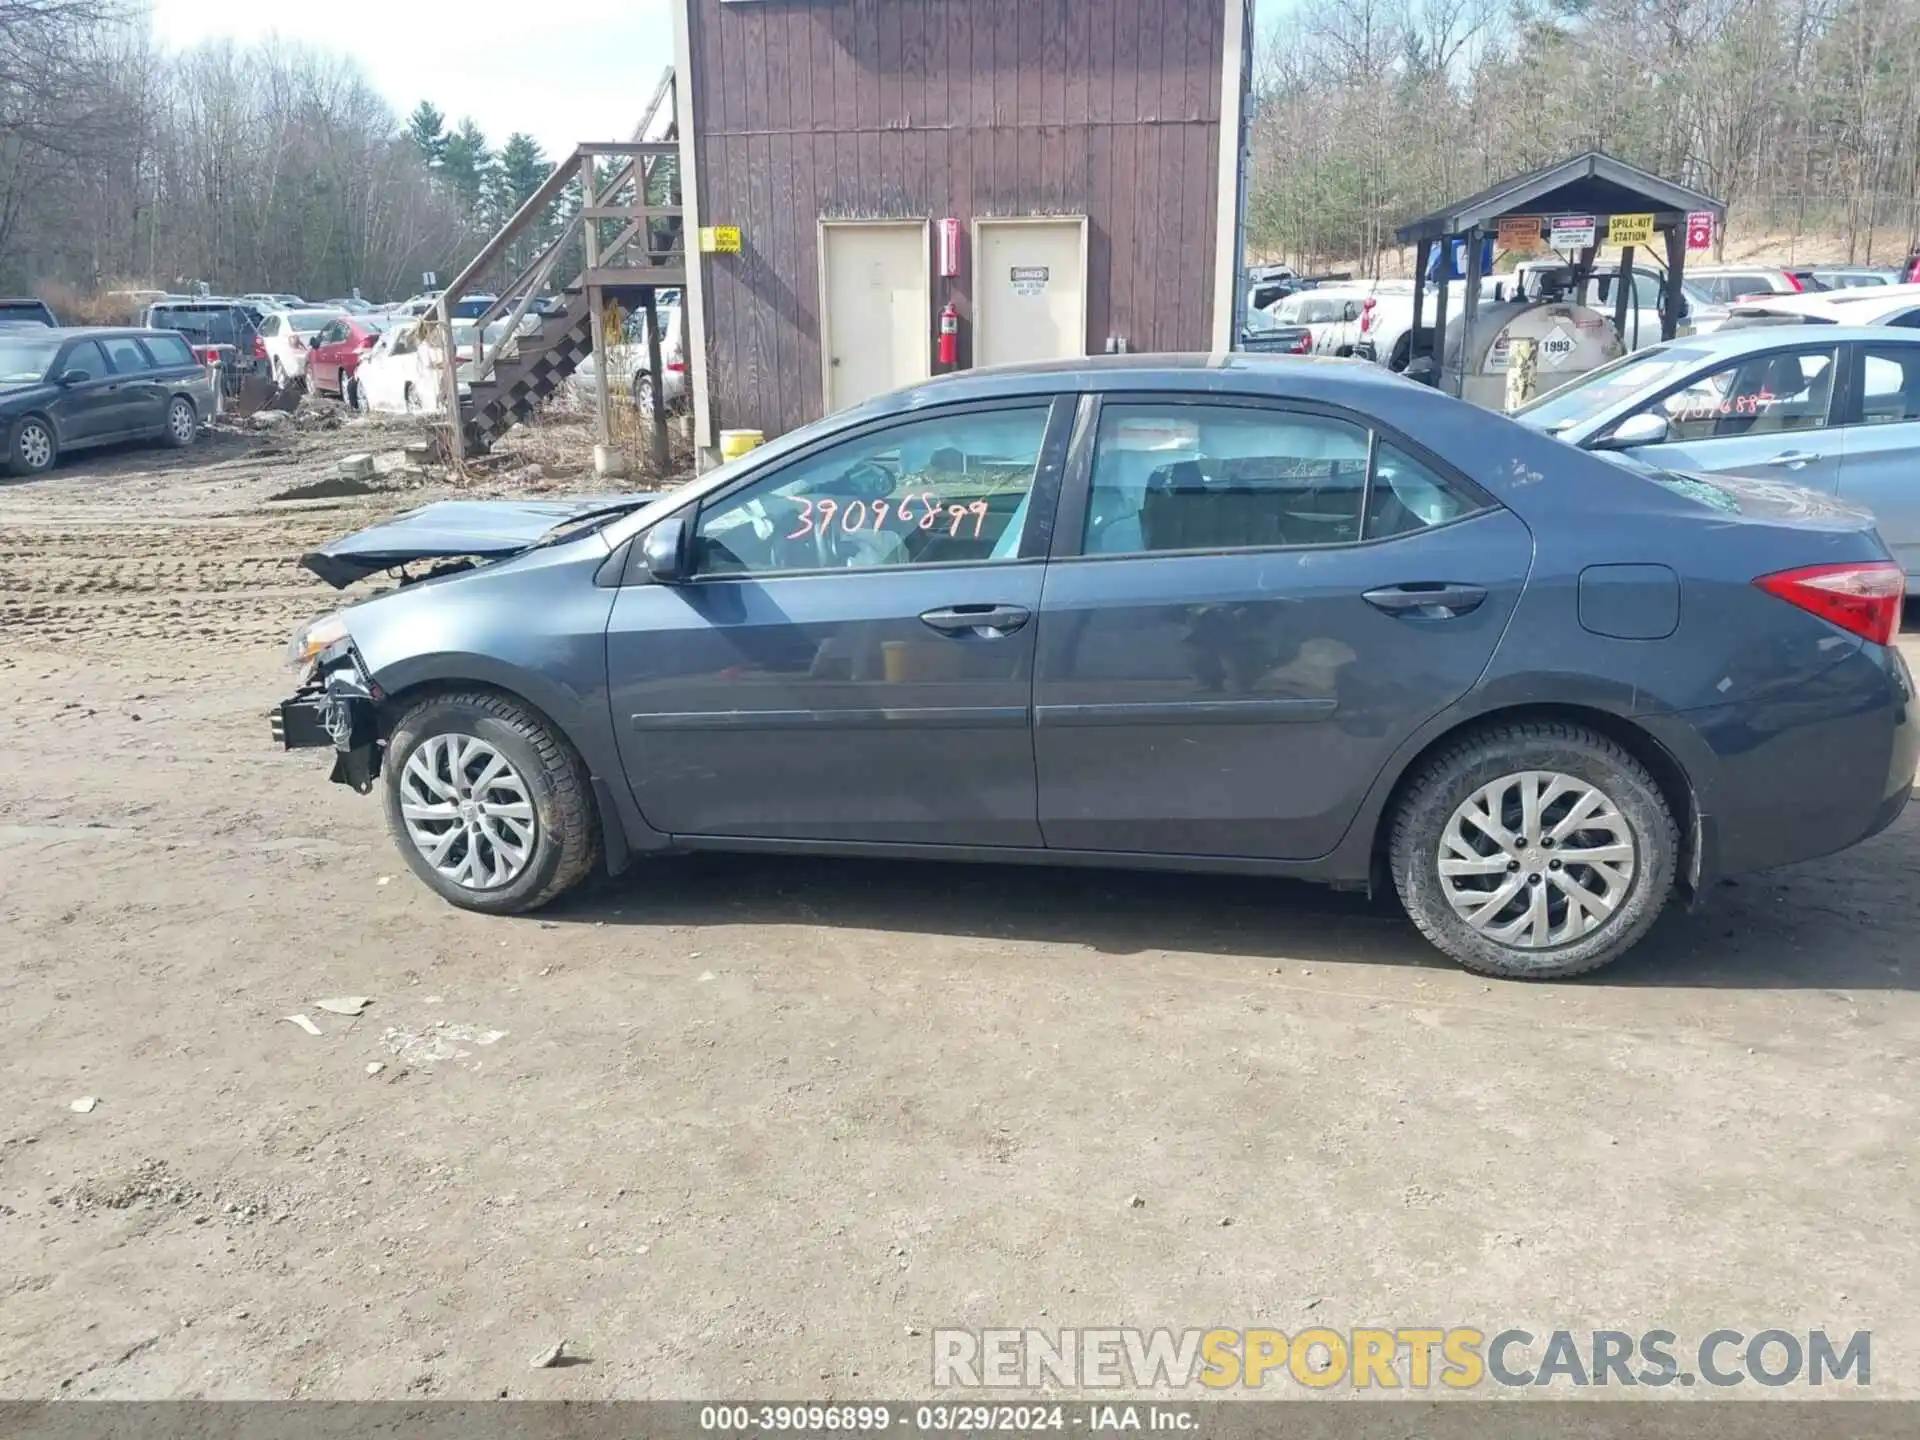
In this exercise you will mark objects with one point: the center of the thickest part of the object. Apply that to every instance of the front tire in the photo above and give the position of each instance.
(489, 806)
(1534, 851)
(32, 447)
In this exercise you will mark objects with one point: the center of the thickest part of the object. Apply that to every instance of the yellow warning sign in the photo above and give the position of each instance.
(1630, 229)
(720, 239)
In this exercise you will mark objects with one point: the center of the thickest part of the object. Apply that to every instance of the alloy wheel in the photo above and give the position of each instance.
(468, 811)
(180, 421)
(1536, 859)
(36, 445)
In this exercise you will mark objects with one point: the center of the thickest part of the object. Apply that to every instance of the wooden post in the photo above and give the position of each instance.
(1676, 270)
(596, 321)
(1421, 250)
(450, 380)
(1469, 308)
(659, 416)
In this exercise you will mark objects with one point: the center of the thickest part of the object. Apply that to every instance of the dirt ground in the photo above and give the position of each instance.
(755, 1127)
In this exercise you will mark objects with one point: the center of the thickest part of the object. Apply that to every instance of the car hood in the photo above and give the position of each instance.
(451, 530)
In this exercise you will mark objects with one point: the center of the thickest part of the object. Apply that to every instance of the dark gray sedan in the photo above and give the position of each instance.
(1281, 616)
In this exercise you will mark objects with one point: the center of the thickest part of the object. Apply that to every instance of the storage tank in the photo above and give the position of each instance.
(1568, 340)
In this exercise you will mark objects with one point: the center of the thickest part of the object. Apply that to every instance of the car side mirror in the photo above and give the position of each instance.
(1645, 428)
(74, 377)
(667, 551)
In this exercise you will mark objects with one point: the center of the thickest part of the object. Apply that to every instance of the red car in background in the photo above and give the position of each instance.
(337, 350)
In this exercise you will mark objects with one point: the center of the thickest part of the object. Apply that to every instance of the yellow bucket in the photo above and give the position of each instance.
(735, 443)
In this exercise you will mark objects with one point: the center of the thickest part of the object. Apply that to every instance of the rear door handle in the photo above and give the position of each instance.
(1426, 599)
(1793, 459)
(988, 620)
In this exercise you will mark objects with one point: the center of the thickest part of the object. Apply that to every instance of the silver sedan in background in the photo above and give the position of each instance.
(1834, 408)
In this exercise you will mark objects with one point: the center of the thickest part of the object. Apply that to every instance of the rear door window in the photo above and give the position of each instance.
(1889, 384)
(1172, 477)
(169, 351)
(125, 355)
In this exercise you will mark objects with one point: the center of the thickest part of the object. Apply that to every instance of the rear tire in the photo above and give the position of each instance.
(183, 423)
(1558, 918)
(534, 827)
(32, 446)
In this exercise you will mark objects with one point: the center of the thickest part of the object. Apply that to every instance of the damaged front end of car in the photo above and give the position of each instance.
(337, 706)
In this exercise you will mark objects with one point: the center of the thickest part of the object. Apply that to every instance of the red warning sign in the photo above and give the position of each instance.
(1700, 230)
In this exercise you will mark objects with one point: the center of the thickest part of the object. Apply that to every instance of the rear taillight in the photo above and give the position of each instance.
(259, 348)
(1366, 315)
(676, 367)
(367, 342)
(1303, 345)
(1863, 599)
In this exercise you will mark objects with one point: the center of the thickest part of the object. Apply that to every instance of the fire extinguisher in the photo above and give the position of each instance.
(949, 336)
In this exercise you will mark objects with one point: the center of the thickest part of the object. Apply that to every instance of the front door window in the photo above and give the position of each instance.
(1774, 393)
(932, 492)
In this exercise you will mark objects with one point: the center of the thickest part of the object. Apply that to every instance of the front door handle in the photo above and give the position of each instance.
(1426, 599)
(1793, 459)
(985, 620)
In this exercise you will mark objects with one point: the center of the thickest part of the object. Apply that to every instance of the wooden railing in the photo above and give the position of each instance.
(620, 262)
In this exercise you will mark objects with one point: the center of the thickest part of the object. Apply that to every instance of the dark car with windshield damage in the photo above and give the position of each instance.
(1254, 614)
(64, 390)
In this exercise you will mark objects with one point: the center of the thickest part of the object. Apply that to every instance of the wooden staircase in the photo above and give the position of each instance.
(632, 247)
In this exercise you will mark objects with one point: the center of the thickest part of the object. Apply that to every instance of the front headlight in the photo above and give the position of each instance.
(314, 637)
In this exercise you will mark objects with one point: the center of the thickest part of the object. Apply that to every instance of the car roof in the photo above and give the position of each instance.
(1862, 301)
(1748, 340)
(64, 333)
(1305, 377)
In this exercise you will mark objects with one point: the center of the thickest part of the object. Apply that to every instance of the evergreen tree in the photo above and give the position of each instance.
(466, 162)
(427, 129)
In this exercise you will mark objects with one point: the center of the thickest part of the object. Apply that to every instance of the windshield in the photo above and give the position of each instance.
(1606, 387)
(24, 360)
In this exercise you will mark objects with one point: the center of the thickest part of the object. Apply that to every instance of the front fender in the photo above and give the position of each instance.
(534, 627)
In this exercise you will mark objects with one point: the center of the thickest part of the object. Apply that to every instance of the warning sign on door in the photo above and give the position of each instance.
(1030, 279)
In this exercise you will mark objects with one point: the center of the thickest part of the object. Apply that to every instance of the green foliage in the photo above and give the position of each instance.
(465, 163)
(427, 129)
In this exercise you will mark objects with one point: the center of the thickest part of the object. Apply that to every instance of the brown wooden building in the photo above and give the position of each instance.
(1062, 158)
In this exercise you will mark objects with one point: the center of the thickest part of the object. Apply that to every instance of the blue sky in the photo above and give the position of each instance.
(585, 74)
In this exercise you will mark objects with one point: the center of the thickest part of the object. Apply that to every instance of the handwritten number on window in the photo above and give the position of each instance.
(806, 520)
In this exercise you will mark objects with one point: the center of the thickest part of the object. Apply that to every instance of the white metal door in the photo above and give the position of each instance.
(876, 307)
(1030, 289)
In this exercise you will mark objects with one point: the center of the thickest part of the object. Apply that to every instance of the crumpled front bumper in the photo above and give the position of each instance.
(337, 707)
